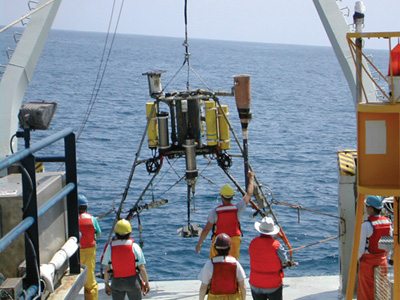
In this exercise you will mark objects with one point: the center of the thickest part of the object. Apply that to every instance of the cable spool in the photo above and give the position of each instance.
(153, 165)
(224, 161)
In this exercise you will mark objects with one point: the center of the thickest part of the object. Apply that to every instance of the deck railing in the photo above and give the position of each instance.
(29, 225)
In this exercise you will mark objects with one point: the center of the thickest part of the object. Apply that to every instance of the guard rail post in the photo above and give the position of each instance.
(72, 198)
(30, 210)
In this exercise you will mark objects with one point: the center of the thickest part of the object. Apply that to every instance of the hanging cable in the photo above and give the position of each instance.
(101, 71)
(186, 44)
(186, 60)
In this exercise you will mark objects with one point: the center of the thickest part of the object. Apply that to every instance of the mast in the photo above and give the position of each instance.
(336, 28)
(19, 71)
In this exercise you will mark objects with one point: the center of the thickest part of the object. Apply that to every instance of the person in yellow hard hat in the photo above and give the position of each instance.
(225, 218)
(126, 260)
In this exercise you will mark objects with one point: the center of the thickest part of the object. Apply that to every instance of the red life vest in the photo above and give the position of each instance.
(86, 228)
(227, 220)
(123, 258)
(224, 280)
(265, 266)
(381, 227)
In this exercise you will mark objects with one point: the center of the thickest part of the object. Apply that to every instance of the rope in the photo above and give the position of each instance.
(313, 244)
(201, 79)
(96, 89)
(162, 177)
(299, 207)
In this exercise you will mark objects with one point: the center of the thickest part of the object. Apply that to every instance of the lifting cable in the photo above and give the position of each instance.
(186, 60)
(186, 44)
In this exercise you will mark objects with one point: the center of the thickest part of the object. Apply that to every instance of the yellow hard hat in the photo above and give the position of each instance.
(227, 191)
(123, 227)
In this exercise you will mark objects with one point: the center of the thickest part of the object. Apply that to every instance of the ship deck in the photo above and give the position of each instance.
(304, 288)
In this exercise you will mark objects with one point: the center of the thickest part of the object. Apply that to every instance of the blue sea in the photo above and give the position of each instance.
(303, 114)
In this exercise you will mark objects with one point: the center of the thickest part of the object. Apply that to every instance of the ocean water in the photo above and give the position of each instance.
(303, 114)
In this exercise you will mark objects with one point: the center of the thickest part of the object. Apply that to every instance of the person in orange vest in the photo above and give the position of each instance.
(369, 254)
(223, 274)
(267, 260)
(126, 260)
(225, 218)
(89, 230)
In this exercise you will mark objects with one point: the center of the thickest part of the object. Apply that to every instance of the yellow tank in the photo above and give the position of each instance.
(152, 130)
(211, 123)
(224, 138)
(202, 121)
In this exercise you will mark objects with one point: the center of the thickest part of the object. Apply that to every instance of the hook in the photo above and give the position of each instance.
(9, 52)
(29, 4)
(19, 34)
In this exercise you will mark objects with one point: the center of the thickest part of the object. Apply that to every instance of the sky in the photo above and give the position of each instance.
(279, 21)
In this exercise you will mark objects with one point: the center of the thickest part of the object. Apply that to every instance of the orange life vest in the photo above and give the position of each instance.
(123, 258)
(224, 280)
(227, 220)
(381, 227)
(86, 228)
(265, 266)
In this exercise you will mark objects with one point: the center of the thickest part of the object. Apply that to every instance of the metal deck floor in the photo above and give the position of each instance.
(299, 288)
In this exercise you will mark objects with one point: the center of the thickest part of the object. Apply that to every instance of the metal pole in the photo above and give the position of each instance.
(188, 207)
(16, 232)
(30, 210)
(20, 155)
(396, 248)
(358, 19)
(246, 160)
(72, 198)
(356, 244)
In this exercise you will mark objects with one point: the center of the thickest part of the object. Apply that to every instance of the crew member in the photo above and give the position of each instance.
(267, 260)
(369, 253)
(223, 274)
(225, 218)
(89, 230)
(126, 260)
